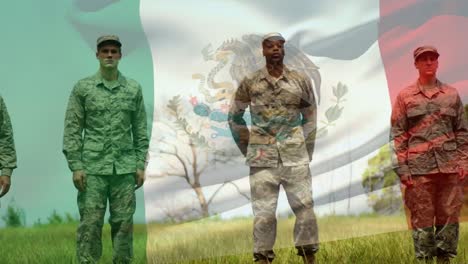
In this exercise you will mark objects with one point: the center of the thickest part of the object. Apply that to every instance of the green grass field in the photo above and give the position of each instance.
(365, 239)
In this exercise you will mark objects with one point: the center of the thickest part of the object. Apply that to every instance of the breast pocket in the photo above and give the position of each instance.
(126, 112)
(415, 116)
(129, 107)
(291, 95)
(93, 105)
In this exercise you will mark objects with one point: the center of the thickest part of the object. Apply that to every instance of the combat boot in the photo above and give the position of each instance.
(309, 259)
(425, 260)
(443, 260)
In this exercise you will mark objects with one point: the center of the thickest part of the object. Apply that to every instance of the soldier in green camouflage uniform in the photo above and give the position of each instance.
(105, 143)
(7, 149)
(278, 148)
(430, 136)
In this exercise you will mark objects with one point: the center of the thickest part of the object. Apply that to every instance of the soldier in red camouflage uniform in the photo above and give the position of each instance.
(430, 136)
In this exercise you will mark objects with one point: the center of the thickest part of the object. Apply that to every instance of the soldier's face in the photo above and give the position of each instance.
(109, 56)
(427, 64)
(273, 50)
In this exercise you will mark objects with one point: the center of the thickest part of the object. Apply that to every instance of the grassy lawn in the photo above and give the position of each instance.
(365, 239)
(56, 244)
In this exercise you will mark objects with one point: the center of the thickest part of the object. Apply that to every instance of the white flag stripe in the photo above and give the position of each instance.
(360, 130)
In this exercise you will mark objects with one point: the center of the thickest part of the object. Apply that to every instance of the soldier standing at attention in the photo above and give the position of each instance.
(278, 148)
(430, 137)
(105, 143)
(7, 149)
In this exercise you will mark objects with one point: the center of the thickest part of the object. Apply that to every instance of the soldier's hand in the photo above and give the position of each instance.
(462, 174)
(4, 185)
(79, 180)
(406, 180)
(139, 178)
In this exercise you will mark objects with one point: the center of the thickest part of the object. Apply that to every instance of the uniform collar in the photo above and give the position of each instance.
(417, 88)
(284, 76)
(99, 80)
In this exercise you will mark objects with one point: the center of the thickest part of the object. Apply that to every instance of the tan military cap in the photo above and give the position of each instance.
(111, 38)
(423, 49)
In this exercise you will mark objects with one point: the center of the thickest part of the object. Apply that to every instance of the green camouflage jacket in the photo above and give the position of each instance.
(105, 126)
(284, 115)
(7, 145)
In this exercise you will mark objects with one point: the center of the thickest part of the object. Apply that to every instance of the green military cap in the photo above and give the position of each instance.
(423, 49)
(108, 38)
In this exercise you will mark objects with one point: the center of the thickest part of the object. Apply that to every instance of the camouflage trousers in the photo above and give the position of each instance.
(434, 202)
(92, 203)
(265, 185)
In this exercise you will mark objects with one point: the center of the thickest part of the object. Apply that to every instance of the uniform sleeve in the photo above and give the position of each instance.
(139, 131)
(237, 124)
(399, 138)
(7, 144)
(73, 130)
(308, 110)
(461, 134)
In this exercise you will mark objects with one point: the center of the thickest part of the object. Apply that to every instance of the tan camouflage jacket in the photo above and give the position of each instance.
(283, 114)
(429, 131)
(7, 144)
(105, 126)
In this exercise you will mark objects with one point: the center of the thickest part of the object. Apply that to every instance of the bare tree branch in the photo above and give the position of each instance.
(240, 192)
(186, 176)
(196, 176)
(166, 174)
(207, 164)
(215, 193)
(170, 144)
(224, 184)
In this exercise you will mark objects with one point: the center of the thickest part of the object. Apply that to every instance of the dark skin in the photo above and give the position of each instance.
(4, 185)
(109, 56)
(273, 51)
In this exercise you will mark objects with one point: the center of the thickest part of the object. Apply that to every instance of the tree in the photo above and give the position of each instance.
(15, 216)
(55, 218)
(188, 154)
(379, 175)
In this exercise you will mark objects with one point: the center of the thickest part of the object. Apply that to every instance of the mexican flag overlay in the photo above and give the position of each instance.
(189, 57)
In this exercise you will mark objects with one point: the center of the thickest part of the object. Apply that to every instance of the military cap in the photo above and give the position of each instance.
(273, 36)
(108, 38)
(423, 49)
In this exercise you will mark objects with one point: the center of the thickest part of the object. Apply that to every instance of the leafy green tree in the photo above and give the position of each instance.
(379, 175)
(69, 218)
(15, 216)
(54, 218)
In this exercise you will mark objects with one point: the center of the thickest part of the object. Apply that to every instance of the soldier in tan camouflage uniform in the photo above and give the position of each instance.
(7, 149)
(105, 143)
(278, 148)
(430, 136)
